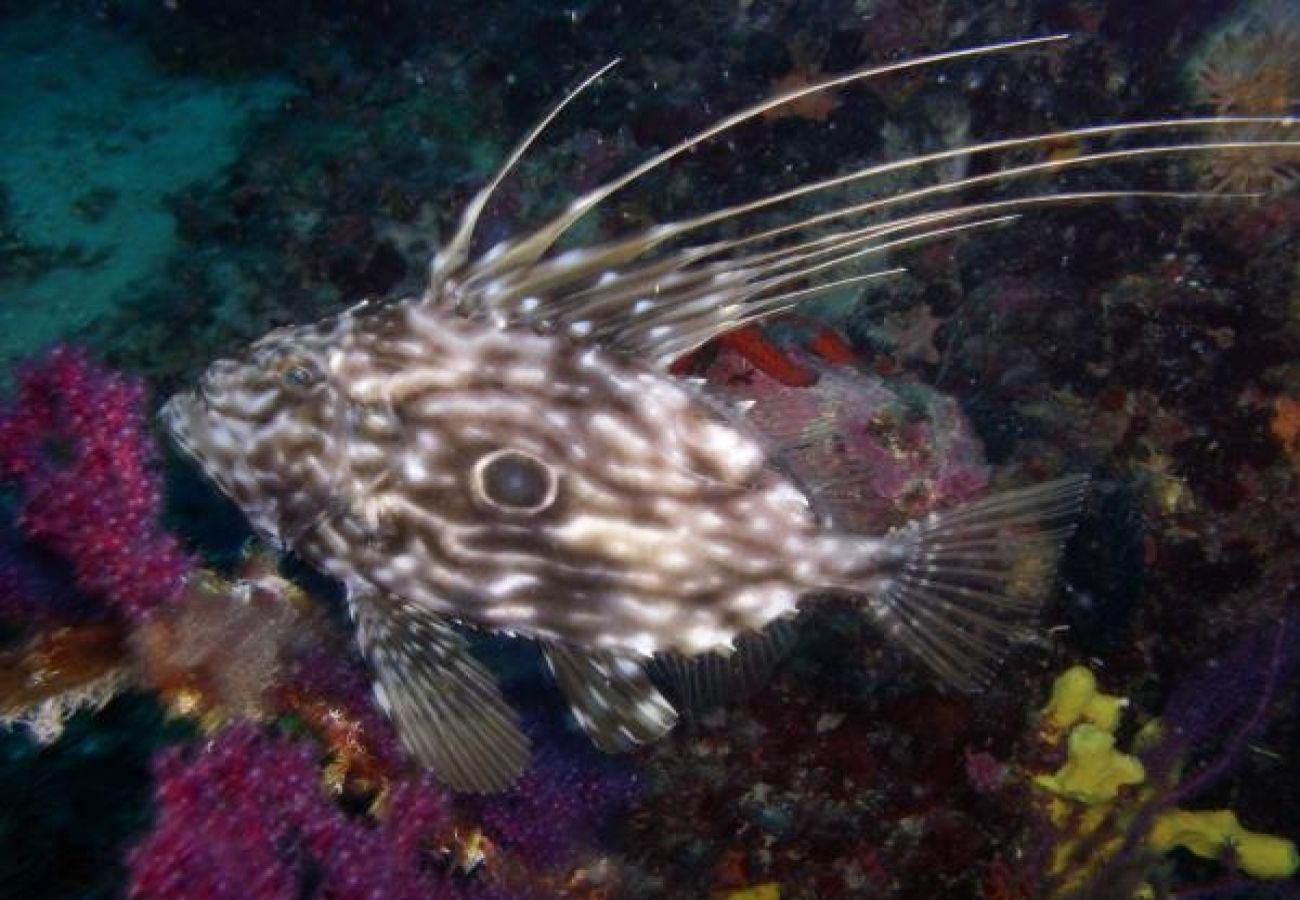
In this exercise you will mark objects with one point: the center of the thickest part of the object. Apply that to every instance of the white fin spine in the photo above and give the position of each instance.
(530, 249)
(456, 253)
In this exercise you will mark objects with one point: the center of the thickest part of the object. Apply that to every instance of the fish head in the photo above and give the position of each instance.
(262, 425)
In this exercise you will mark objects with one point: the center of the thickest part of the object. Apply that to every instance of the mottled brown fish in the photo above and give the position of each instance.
(508, 451)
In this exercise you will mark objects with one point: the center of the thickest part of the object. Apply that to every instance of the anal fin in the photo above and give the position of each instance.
(446, 705)
(612, 697)
(698, 683)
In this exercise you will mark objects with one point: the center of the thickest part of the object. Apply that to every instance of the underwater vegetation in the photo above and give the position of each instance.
(1111, 814)
(188, 715)
(259, 810)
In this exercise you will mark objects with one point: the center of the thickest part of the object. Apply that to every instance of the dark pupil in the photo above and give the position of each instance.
(514, 480)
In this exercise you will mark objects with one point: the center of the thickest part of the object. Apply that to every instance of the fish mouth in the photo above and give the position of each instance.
(185, 418)
(179, 417)
(189, 422)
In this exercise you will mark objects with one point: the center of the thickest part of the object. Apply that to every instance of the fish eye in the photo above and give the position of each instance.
(514, 481)
(298, 376)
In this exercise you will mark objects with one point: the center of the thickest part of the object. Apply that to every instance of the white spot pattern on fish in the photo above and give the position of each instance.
(508, 451)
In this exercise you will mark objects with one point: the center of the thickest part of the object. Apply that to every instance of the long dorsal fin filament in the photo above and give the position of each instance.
(456, 253)
(631, 298)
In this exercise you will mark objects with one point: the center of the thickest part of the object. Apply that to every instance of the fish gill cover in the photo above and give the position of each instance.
(1149, 341)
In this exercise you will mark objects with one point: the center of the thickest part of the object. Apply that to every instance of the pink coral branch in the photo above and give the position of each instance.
(246, 817)
(76, 445)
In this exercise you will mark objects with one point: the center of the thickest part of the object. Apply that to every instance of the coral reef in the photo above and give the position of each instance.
(1153, 344)
(218, 650)
(568, 797)
(1252, 67)
(76, 447)
(826, 783)
(877, 451)
(252, 813)
(247, 816)
(1110, 814)
(58, 673)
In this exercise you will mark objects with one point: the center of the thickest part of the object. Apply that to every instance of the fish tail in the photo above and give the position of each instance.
(957, 587)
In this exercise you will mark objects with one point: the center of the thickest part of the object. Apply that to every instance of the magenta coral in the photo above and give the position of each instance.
(247, 817)
(223, 829)
(76, 445)
(336, 676)
(564, 803)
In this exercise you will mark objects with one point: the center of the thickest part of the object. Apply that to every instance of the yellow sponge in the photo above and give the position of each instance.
(768, 891)
(1094, 770)
(1086, 805)
(1209, 833)
(1075, 699)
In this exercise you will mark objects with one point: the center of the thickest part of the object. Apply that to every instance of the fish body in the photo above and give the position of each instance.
(513, 479)
(449, 470)
(509, 451)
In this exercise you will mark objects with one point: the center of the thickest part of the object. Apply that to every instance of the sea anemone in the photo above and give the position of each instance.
(1252, 68)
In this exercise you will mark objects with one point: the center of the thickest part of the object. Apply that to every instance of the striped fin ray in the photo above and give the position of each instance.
(488, 283)
(446, 706)
(611, 697)
(523, 253)
(971, 578)
(698, 683)
(671, 308)
(654, 291)
(621, 292)
(454, 255)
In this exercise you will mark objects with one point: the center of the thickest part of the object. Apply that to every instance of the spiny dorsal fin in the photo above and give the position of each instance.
(446, 706)
(532, 247)
(456, 253)
(640, 300)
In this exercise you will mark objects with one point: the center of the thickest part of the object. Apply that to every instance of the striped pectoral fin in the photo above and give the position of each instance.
(446, 706)
(966, 582)
(611, 696)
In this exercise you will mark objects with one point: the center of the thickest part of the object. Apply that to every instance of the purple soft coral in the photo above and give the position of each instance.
(1232, 696)
(564, 803)
(247, 817)
(76, 445)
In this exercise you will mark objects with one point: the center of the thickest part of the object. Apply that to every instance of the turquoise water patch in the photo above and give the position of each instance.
(96, 139)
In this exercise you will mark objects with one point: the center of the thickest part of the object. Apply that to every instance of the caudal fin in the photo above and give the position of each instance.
(967, 580)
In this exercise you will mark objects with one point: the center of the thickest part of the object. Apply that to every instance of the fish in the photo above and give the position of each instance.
(509, 452)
